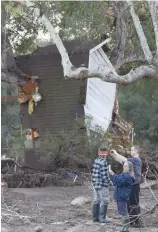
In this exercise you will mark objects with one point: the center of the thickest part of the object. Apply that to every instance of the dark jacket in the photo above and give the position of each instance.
(137, 166)
(123, 185)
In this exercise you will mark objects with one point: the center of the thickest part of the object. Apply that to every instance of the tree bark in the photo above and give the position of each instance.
(140, 32)
(121, 36)
(153, 6)
(8, 65)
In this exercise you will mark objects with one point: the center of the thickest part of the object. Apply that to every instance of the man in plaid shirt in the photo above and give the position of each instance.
(101, 182)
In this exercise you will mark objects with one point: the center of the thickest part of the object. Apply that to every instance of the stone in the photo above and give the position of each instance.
(26, 221)
(38, 228)
(80, 201)
(4, 229)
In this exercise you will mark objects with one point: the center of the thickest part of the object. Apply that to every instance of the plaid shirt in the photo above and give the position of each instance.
(100, 174)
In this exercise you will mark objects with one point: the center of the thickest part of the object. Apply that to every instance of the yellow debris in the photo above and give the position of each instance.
(30, 106)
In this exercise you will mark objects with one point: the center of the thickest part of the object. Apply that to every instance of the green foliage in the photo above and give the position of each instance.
(10, 120)
(138, 104)
(81, 20)
(22, 28)
(70, 149)
(84, 19)
(75, 141)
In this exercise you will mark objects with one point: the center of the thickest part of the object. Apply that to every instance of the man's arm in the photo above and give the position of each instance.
(119, 158)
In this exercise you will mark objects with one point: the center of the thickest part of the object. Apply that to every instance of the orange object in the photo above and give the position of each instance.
(30, 87)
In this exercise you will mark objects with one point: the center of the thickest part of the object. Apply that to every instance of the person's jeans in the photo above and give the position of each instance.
(101, 196)
(100, 204)
(122, 208)
(133, 204)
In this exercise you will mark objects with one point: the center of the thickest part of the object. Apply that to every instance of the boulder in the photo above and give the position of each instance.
(81, 201)
(4, 229)
(39, 229)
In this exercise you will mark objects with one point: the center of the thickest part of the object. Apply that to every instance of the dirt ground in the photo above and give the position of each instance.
(50, 207)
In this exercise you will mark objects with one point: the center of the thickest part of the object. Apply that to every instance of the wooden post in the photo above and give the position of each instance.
(132, 135)
(33, 139)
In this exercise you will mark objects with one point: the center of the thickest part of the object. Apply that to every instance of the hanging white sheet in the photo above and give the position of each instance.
(100, 95)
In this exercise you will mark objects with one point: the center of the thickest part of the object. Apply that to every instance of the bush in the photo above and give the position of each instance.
(72, 149)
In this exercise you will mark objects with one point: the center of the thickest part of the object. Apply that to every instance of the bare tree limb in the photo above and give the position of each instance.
(110, 75)
(153, 6)
(132, 76)
(140, 32)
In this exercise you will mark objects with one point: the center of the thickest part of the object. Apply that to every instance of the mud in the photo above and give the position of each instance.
(50, 207)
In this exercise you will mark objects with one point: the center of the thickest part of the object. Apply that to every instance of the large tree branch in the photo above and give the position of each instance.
(134, 75)
(109, 74)
(140, 32)
(153, 6)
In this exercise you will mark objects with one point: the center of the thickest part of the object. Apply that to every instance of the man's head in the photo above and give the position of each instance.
(135, 151)
(102, 152)
(128, 167)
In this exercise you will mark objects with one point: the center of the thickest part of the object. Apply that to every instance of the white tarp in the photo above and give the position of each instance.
(100, 95)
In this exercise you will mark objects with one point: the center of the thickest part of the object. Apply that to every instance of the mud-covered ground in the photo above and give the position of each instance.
(50, 207)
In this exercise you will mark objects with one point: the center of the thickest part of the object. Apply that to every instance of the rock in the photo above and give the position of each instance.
(26, 221)
(60, 223)
(80, 201)
(4, 229)
(4, 185)
(38, 228)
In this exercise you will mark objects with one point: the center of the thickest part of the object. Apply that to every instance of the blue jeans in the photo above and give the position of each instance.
(101, 196)
(122, 208)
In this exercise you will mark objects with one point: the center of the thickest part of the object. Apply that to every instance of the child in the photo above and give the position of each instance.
(123, 185)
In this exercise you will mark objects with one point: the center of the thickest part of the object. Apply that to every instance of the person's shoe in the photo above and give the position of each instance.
(95, 220)
(105, 221)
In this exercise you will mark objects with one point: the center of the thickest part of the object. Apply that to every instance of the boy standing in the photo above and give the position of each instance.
(101, 182)
(133, 204)
(123, 185)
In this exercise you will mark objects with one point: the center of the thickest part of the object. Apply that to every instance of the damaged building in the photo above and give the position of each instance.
(50, 104)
